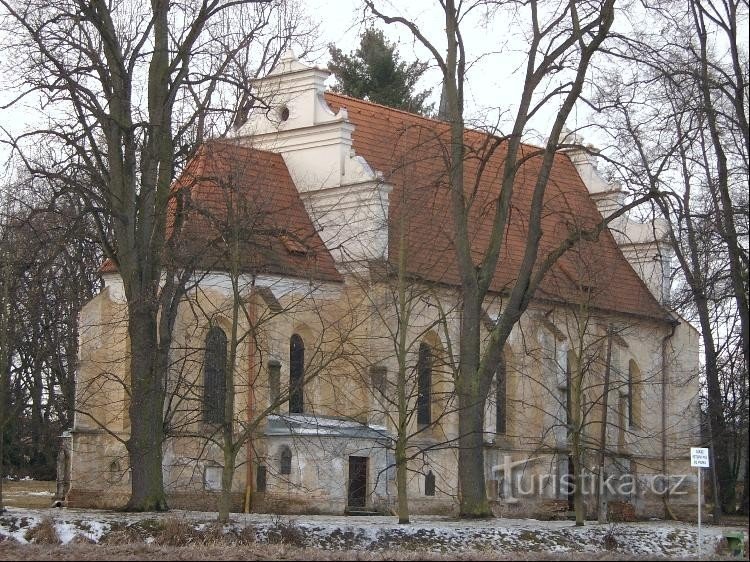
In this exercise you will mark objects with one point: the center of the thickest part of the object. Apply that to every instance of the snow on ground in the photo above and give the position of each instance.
(429, 534)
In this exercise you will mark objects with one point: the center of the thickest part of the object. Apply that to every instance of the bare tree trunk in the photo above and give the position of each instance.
(575, 423)
(601, 494)
(473, 491)
(719, 438)
(401, 477)
(402, 423)
(745, 503)
(227, 478)
(229, 446)
(725, 211)
(146, 412)
(4, 352)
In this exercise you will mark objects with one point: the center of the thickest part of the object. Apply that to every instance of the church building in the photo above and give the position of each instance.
(323, 305)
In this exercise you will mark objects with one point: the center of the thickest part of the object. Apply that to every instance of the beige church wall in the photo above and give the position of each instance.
(104, 362)
(343, 340)
(319, 473)
(426, 325)
(443, 464)
(99, 462)
(636, 449)
(100, 475)
(188, 457)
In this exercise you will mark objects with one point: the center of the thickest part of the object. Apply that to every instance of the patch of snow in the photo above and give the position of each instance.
(429, 533)
(66, 532)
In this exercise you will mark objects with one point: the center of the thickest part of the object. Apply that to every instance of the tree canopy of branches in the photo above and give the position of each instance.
(50, 269)
(678, 112)
(560, 38)
(375, 72)
(130, 89)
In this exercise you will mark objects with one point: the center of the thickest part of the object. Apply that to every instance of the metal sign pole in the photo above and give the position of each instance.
(699, 458)
(699, 512)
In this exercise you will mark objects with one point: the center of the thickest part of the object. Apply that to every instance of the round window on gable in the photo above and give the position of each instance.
(283, 113)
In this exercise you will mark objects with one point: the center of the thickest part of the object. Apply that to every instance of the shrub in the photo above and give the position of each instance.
(247, 535)
(242, 537)
(286, 531)
(43, 533)
(610, 538)
(176, 532)
(122, 534)
(213, 535)
(80, 538)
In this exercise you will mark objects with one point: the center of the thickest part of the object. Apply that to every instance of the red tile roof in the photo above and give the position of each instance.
(409, 150)
(254, 188)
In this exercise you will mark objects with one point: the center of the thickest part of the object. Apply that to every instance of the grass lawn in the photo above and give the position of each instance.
(28, 493)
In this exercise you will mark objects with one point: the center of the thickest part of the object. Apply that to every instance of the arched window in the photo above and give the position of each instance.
(424, 384)
(429, 484)
(296, 374)
(285, 463)
(501, 408)
(214, 376)
(634, 403)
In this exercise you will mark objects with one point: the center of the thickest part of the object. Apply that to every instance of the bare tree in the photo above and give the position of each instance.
(678, 113)
(562, 40)
(411, 319)
(241, 224)
(6, 293)
(131, 89)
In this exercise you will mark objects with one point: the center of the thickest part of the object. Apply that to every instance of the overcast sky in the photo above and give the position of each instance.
(495, 50)
(493, 79)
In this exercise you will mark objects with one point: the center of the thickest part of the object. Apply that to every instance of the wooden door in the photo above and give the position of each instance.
(357, 495)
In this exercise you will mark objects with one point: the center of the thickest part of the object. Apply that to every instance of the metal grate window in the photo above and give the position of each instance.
(424, 384)
(214, 376)
(296, 374)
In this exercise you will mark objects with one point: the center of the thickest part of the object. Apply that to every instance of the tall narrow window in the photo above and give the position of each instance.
(501, 409)
(622, 404)
(260, 478)
(285, 461)
(634, 376)
(274, 383)
(429, 484)
(424, 384)
(379, 379)
(296, 374)
(569, 358)
(214, 376)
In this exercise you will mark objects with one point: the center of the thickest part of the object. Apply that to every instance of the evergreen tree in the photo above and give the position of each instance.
(374, 72)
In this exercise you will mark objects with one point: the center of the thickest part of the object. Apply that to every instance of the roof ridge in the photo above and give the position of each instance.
(388, 107)
(437, 121)
(233, 143)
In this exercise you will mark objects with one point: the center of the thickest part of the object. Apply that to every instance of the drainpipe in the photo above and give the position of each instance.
(251, 371)
(673, 323)
(601, 497)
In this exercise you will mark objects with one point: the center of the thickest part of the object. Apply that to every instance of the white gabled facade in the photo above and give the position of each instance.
(347, 200)
(644, 244)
